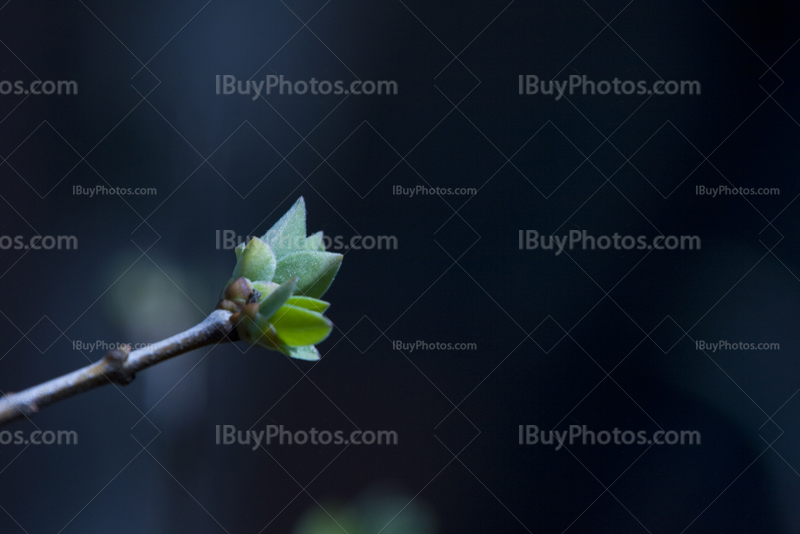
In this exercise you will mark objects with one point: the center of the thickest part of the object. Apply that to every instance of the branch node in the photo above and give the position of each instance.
(114, 361)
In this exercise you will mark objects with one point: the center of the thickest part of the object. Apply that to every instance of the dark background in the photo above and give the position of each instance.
(601, 338)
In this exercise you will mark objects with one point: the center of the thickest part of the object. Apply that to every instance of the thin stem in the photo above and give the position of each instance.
(118, 366)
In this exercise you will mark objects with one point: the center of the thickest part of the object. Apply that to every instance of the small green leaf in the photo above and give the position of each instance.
(316, 242)
(289, 233)
(307, 352)
(256, 261)
(298, 326)
(316, 271)
(276, 299)
(308, 303)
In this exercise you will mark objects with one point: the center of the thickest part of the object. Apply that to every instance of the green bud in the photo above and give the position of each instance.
(273, 293)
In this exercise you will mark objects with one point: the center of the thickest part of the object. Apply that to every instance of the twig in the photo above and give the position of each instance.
(118, 366)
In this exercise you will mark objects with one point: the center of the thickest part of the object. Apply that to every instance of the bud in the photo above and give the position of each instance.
(239, 291)
(268, 272)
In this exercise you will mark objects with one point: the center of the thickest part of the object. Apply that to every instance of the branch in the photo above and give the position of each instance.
(118, 366)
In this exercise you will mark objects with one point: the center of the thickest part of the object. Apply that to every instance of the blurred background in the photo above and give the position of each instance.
(603, 338)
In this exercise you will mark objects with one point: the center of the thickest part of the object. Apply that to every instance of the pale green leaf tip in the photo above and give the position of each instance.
(316, 242)
(293, 221)
(308, 353)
